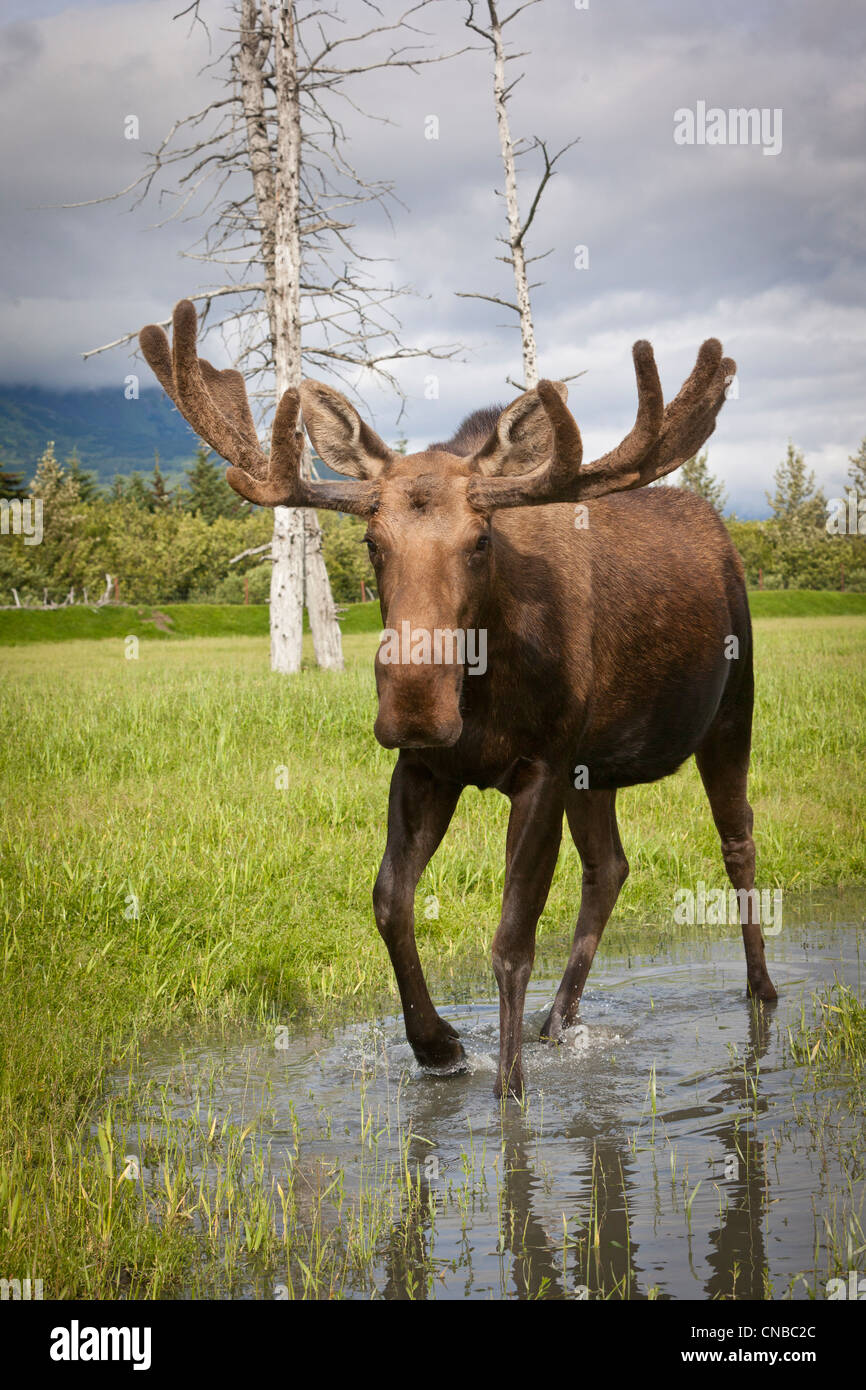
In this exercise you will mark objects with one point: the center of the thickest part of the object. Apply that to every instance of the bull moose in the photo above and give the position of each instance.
(608, 643)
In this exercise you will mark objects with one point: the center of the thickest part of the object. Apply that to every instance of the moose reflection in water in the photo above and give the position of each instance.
(594, 1251)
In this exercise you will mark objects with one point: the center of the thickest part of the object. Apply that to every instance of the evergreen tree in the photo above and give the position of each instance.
(857, 470)
(695, 475)
(12, 485)
(49, 479)
(160, 494)
(208, 494)
(857, 475)
(137, 492)
(84, 480)
(797, 504)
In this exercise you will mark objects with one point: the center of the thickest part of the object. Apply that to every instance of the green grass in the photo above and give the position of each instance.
(156, 875)
(837, 1041)
(830, 1104)
(805, 603)
(167, 620)
(161, 622)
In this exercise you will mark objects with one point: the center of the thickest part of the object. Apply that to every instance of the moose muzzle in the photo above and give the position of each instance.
(419, 691)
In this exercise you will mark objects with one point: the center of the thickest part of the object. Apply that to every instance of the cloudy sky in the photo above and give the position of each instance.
(765, 251)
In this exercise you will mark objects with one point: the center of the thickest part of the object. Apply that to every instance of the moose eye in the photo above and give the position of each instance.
(482, 543)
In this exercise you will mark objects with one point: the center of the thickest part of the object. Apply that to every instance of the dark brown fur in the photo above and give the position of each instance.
(471, 434)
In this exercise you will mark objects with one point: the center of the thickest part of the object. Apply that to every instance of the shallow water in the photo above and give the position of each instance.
(668, 1148)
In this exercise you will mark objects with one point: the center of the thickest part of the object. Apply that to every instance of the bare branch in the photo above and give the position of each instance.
(253, 550)
(491, 299)
(206, 295)
(547, 175)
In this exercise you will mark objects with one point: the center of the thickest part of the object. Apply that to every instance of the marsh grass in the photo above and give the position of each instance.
(835, 1044)
(830, 1046)
(188, 845)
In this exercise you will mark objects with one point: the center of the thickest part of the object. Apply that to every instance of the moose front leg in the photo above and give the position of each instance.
(420, 807)
(532, 846)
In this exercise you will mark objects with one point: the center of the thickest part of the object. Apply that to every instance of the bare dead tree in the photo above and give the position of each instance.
(512, 152)
(266, 164)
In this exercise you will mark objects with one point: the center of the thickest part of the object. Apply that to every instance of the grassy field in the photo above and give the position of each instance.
(190, 842)
(20, 626)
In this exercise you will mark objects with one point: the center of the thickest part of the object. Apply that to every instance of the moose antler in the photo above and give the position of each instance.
(661, 439)
(537, 425)
(215, 403)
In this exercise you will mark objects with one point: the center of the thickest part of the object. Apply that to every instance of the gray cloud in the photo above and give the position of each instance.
(766, 253)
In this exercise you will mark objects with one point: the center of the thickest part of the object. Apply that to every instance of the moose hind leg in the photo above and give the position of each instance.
(723, 762)
(592, 822)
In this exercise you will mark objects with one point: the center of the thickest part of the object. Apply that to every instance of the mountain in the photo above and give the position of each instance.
(112, 435)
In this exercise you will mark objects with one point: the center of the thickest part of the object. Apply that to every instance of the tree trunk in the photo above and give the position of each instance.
(327, 637)
(287, 589)
(277, 191)
(515, 239)
(327, 641)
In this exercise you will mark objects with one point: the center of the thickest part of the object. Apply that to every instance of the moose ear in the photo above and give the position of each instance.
(340, 437)
(522, 438)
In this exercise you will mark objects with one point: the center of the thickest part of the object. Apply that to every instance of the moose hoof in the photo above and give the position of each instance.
(512, 1089)
(552, 1029)
(444, 1057)
(764, 990)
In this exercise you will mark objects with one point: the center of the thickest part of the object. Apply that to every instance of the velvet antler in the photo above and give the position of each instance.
(661, 439)
(215, 403)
